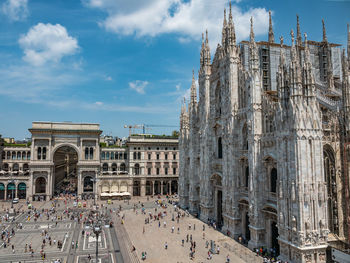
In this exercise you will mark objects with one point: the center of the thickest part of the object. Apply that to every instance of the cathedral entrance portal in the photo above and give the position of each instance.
(65, 171)
(219, 208)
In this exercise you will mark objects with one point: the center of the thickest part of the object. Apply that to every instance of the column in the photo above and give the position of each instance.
(16, 185)
(95, 188)
(161, 187)
(152, 187)
(5, 192)
(79, 184)
(47, 187)
(143, 187)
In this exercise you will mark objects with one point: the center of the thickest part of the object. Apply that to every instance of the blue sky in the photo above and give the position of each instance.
(119, 62)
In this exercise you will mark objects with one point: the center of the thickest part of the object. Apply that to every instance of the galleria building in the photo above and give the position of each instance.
(265, 150)
(68, 158)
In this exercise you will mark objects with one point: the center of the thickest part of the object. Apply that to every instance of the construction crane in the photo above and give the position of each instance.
(145, 127)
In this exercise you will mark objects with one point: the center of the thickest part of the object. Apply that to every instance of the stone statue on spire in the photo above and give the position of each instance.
(271, 34)
(324, 31)
(299, 39)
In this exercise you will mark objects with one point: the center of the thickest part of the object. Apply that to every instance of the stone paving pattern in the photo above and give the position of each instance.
(128, 234)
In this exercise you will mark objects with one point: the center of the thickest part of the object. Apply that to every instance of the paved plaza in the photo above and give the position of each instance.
(65, 238)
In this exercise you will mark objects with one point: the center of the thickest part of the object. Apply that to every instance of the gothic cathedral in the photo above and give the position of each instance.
(265, 150)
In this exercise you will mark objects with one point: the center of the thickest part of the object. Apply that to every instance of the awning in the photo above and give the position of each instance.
(125, 193)
(116, 194)
(105, 194)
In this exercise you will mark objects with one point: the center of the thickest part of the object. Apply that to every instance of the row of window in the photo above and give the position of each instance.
(15, 167)
(166, 171)
(114, 167)
(158, 148)
(114, 156)
(165, 156)
(273, 179)
(16, 155)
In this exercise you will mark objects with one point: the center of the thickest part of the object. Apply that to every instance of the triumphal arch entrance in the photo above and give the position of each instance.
(65, 159)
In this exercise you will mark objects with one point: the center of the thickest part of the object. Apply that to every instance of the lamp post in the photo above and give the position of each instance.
(97, 230)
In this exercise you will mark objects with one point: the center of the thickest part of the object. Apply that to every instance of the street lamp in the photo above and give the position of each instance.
(97, 230)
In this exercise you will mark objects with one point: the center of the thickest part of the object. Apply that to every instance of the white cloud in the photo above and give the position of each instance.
(139, 86)
(108, 78)
(47, 42)
(186, 19)
(15, 10)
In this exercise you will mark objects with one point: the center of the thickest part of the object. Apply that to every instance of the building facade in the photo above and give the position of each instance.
(264, 151)
(67, 158)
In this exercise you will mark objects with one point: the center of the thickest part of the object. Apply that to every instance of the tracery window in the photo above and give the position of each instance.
(220, 148)
(273, 180)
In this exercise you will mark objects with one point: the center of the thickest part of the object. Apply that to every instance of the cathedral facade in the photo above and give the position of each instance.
(264, 150)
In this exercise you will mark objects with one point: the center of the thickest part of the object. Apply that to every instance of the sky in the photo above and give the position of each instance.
(117, 62)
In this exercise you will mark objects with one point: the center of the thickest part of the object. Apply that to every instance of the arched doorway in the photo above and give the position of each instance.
(174, 186)
(11, 188)
(88, 184)
(247, 230)
(22, 191)
(137, 188)
(149, 188)
(274, 238)
(2, 191)
(40, 185)
(156, 187)
(65, 171)
(216, 182)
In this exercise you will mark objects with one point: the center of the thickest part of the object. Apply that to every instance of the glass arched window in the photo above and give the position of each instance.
(105, 167)
(273, 180)
(39, 153)
(24, 155)
(28, 155)
(114, 167)
(13, 155)
(44, 153)
(107, 155)
(116, 155)
(220, 148)
(25, 167)
(103, 155)
(134, 155)
(125, 156)
(123, 167)
(139, 155)
(112, 155)
(137, 169)
(86, 153)
(19, 156)
(91, 153)
(8, 156)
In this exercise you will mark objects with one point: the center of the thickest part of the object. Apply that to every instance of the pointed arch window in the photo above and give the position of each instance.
(273, 180)
(247, 177)
(220, 148)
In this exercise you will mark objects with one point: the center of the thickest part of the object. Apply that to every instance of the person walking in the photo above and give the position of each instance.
(166, 245)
